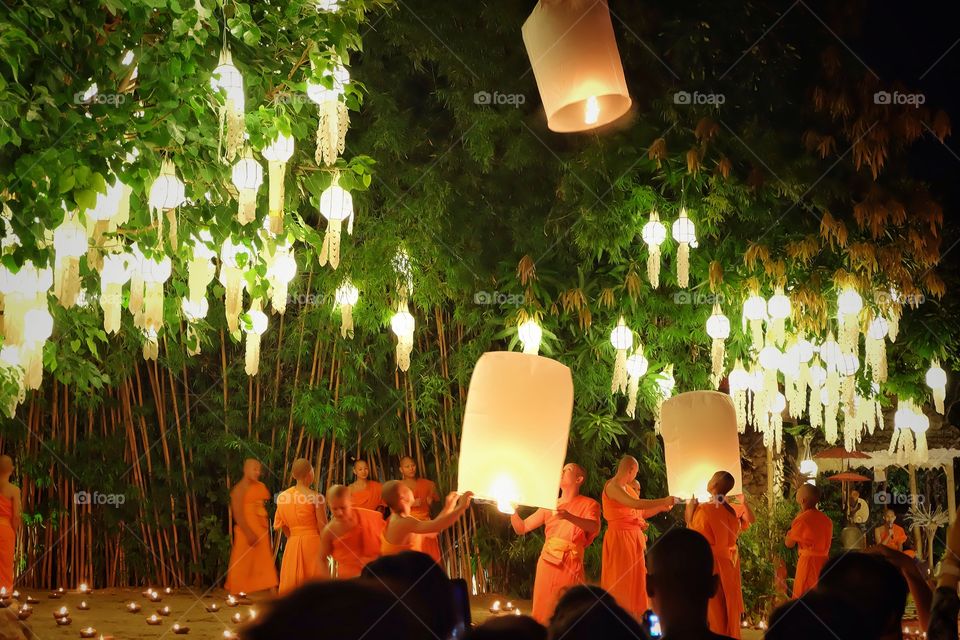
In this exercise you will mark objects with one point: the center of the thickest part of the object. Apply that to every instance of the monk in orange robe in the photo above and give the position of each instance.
(569, 530)
(746, 517)
(624, 570)
(404, 532)
(365, 493)
(9, 522)
(424, 495)
(890, 534)
(352, 538)
(251, 560)
(718, 523)
(301, 514)
(811, 532)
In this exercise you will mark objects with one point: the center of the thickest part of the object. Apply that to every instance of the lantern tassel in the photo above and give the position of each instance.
(619, 382)
(653, 266)
(276, 171)
(110, 295)
(632, 393)
(404, 349)
(331, 244)
(683, 265)
(331, 131)
(252, 360)
(247, 206)
(717, 354)
(346, 321)
(193, 340)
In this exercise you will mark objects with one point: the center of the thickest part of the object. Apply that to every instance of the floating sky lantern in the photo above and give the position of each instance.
(685, 234)
(403, 323)
(227, 79)
(336, 205)
(334, 116)
(653, 233)
(247, 176)
(621, 337)
(530, 333)
(277, 153)
(515, 428)
(574, 56)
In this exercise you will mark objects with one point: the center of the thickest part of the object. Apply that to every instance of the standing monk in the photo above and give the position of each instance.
(812, 532)
(365, 493)
(890, 534)
(352, 537)
(251, 560)
(624, 572)
(9, 521)
(569, 529)
(718, 523)
(403, 531)
(301, 514)
(424, 495)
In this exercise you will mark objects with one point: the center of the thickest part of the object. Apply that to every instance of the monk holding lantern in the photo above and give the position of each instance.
(403, 531)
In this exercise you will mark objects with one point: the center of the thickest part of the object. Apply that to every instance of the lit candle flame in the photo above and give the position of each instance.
(592, 111)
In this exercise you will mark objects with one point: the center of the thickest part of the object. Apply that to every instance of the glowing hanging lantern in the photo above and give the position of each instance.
(22, 291)
(718, 328)
(699, 439)
(200, 268)
(830, 352)
(516, 424)
(403, 323)
(111, 210)
(282, 269)
(653, 234)
(151, 348)
(69, 243)
(902, 444)
(684, 233)
(770, 358)
(937, 381)
(166, 194)
(876, 348)
(155, 273)
(849, 305)
(574, 56)
(334, 117)
(621, 337)
(277, 153)
(328, 6)
(336, 205)
(754, 314)
(346, 297)
(193, 312)
(530, 333)
(115, 274)
(232, 256)
(778, 308)
(919, 425)
(739, 383)
(256, 328)
(38, 327)
(247, 177)
(227, 79)
(637, 366)
(848, 364)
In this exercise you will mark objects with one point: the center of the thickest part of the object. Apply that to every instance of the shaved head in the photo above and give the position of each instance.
(808, 496)
(627, 462)
(581, 472)
(721, 483)
(390, 494)
(301, 467)
(337, 491)
(406, 459)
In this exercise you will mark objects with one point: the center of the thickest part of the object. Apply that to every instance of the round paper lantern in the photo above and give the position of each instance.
(227, 78)
(718, 328)
(194, 311)
(878, 328)
(718, 325)
(167, 191)
(280, 272)
(530, 333)
(403, 323)
(849, 302)
(247, 177)
(770, 358)
(574, 56)
(277, 153)
(778, 403)
(636, 366)
(804, 349)
(621, 337)
(336, 205)
(830, 351)
(38, 326)
(258, 326)
(936, 379)
(685, 234)
(810, 469)
(848, 364)
(778, 306)
(755, 308)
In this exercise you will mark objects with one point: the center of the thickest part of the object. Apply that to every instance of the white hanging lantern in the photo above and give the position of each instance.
(653, 234)
(739, 383)
(718, 328)
(849, 305)
(336, 205)
(936, 379)
(70, 243)
(257, 327)
(155, 273)
(346, 297)
(328, 6)
(151, 348)
(876, 348)
(231, 277)
(919, 425)
(334, 117)
(115, 274)
(777, 404)
(403, 323)
(778, 308)
(227, 78)
(282, 269)
(622, 339)
(38, 327)
(901, 444)
(637, 366)
(166, 194)
(530, 333)
(770, 358)
(754, 314)
(200, 268)
(22, 291)
(247, 177)
(574, 56)
(111, 210)
(830, 352)
(810, 469)
(684, 233)
(193, 312)
(277, 153)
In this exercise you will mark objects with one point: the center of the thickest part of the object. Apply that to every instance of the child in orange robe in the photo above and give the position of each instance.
(569, 530)
(251, 559)
(365, 493)
(812, 532)
(424, 494)
(352, 538)
(9, 522)
(403, 532)
(301, 513)
(719, 524)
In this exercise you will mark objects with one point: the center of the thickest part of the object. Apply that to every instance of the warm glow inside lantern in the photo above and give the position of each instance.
(515, 429)
(699, 431)
(574, 56)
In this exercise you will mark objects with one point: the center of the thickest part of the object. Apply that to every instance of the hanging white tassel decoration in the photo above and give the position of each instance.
(876, 348)
(151, 348)
(637, 366)
(739, 383)
(778, 310)
(135, 303)
(155, 273)
(281, 269)
(754, 314)
(166, 194)
(653, 234)
(403, 323)
(231, 277)
(718, 328)
(685, 234)
(256, 328)
(69, 243)
(247, 177)
(776, 420)
(334, 117)
(936, 379)
(530, 333)
(200, 268)
(227, 77)
(193, 312)
(336, 205)
(277, 153)
(345, 298)
(849, 305)
(622, 339)
(115, 274)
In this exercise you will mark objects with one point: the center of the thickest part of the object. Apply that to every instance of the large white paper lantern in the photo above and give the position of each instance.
(115, 274)
(574, 56)
(336, 205)
(247, 177)
(280, 272)
(936, 379)
(653, 234)
(621, 338)
(402, 324)
(699, 430)
(277, 153)
(685, 234)
(515, 429)
(227, 78)
(257, 327)
(69, 243)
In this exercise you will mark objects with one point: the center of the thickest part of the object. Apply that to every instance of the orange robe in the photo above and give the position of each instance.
(369, 497)
(896, 539)
(251, 566)
(423, 490)
(624, 569)
(359, 545)
(561, 560)
(388, 548)
(7, 540)
(721, 527)
(812, 530)
(301, 556)
(741, 511)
